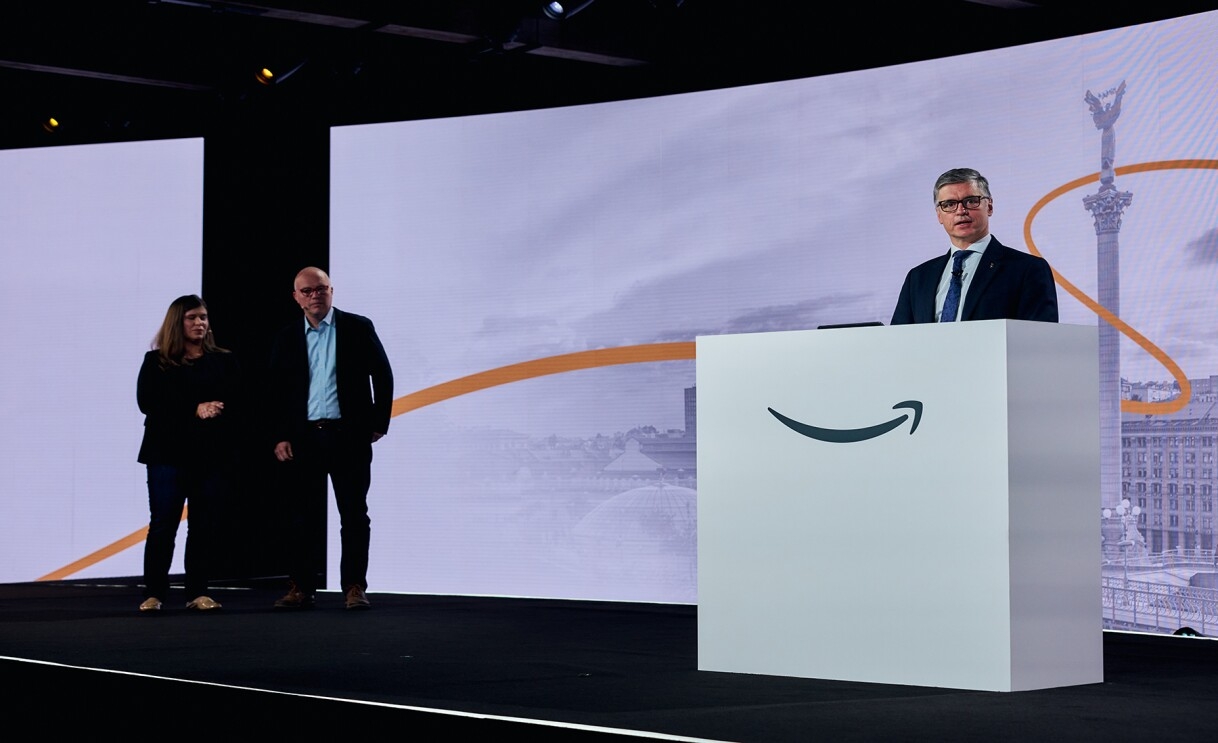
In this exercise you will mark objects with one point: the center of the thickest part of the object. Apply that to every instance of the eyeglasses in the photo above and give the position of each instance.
(309, 291)
(970, 203)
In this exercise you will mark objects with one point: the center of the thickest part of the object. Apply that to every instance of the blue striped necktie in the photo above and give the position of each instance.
(952, 304)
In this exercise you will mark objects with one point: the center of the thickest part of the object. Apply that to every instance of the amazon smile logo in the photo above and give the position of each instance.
(852, 435)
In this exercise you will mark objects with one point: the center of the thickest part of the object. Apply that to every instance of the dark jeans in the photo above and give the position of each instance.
(346, 458)
(170, 488)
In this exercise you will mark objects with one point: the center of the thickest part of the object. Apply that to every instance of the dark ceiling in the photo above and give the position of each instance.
(117, 70)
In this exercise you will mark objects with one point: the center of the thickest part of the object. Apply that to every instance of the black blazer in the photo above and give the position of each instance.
(169, 399)
(1008, 285)
(359, 359)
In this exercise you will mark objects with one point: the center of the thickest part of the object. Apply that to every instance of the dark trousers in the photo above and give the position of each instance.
(346, 458)
(171, 487)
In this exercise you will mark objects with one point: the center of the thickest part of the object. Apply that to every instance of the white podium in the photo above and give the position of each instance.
(928, 514)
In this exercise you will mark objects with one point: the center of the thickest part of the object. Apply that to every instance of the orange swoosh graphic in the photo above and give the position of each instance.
(1186, 389)
(678, 351)
(543, 367)
(109, 550)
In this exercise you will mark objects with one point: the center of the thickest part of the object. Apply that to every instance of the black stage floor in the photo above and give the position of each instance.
(79, 658)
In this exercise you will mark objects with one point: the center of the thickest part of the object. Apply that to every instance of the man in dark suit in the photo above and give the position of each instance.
(993, 282)
(331, 395)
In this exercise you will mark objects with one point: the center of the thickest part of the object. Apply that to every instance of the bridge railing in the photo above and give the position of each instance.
(1131, 604)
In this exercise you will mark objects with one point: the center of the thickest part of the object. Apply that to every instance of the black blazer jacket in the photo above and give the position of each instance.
(1008, 285)
(365, 379)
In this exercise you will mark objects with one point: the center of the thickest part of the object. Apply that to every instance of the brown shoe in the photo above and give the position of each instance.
(295, 599)
(357, 599)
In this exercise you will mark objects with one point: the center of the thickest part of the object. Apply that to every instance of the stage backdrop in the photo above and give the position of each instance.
(539, 278)
(98, 240)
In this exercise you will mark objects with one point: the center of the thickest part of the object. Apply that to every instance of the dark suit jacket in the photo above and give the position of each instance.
(1008, 285)
(359, 358)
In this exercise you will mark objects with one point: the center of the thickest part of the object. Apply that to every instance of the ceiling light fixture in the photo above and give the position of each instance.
(560, 11)
(267, 76)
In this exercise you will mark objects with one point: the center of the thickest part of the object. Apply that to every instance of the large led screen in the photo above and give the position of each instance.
(539, 278)
(98, 239)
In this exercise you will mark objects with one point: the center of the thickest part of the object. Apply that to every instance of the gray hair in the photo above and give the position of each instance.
(962, 175)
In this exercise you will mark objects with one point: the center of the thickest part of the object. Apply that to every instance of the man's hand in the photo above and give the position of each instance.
(283, 451)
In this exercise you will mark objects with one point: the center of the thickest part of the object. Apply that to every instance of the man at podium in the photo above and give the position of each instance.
(978, 278)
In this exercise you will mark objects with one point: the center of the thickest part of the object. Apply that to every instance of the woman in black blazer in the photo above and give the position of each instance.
(187, 390)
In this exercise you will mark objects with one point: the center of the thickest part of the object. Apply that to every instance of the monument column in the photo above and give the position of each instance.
(1107, 206)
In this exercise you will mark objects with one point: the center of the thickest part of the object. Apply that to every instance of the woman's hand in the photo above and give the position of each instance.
(209, 409)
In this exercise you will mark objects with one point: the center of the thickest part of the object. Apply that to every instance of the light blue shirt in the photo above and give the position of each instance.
(968, 269)
(323, 381)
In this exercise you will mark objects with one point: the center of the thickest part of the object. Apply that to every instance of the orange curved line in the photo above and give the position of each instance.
(677, 351)
(1128, 406)
(110, 550)
(542, 367)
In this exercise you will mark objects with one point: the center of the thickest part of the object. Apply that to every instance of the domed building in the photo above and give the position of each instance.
(641, 545)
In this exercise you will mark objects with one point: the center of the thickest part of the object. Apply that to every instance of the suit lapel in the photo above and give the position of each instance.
(926, 311)
(987, 269)
(338, 337)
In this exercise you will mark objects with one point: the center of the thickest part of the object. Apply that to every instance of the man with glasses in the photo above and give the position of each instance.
(331, 395)
(978, 278)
